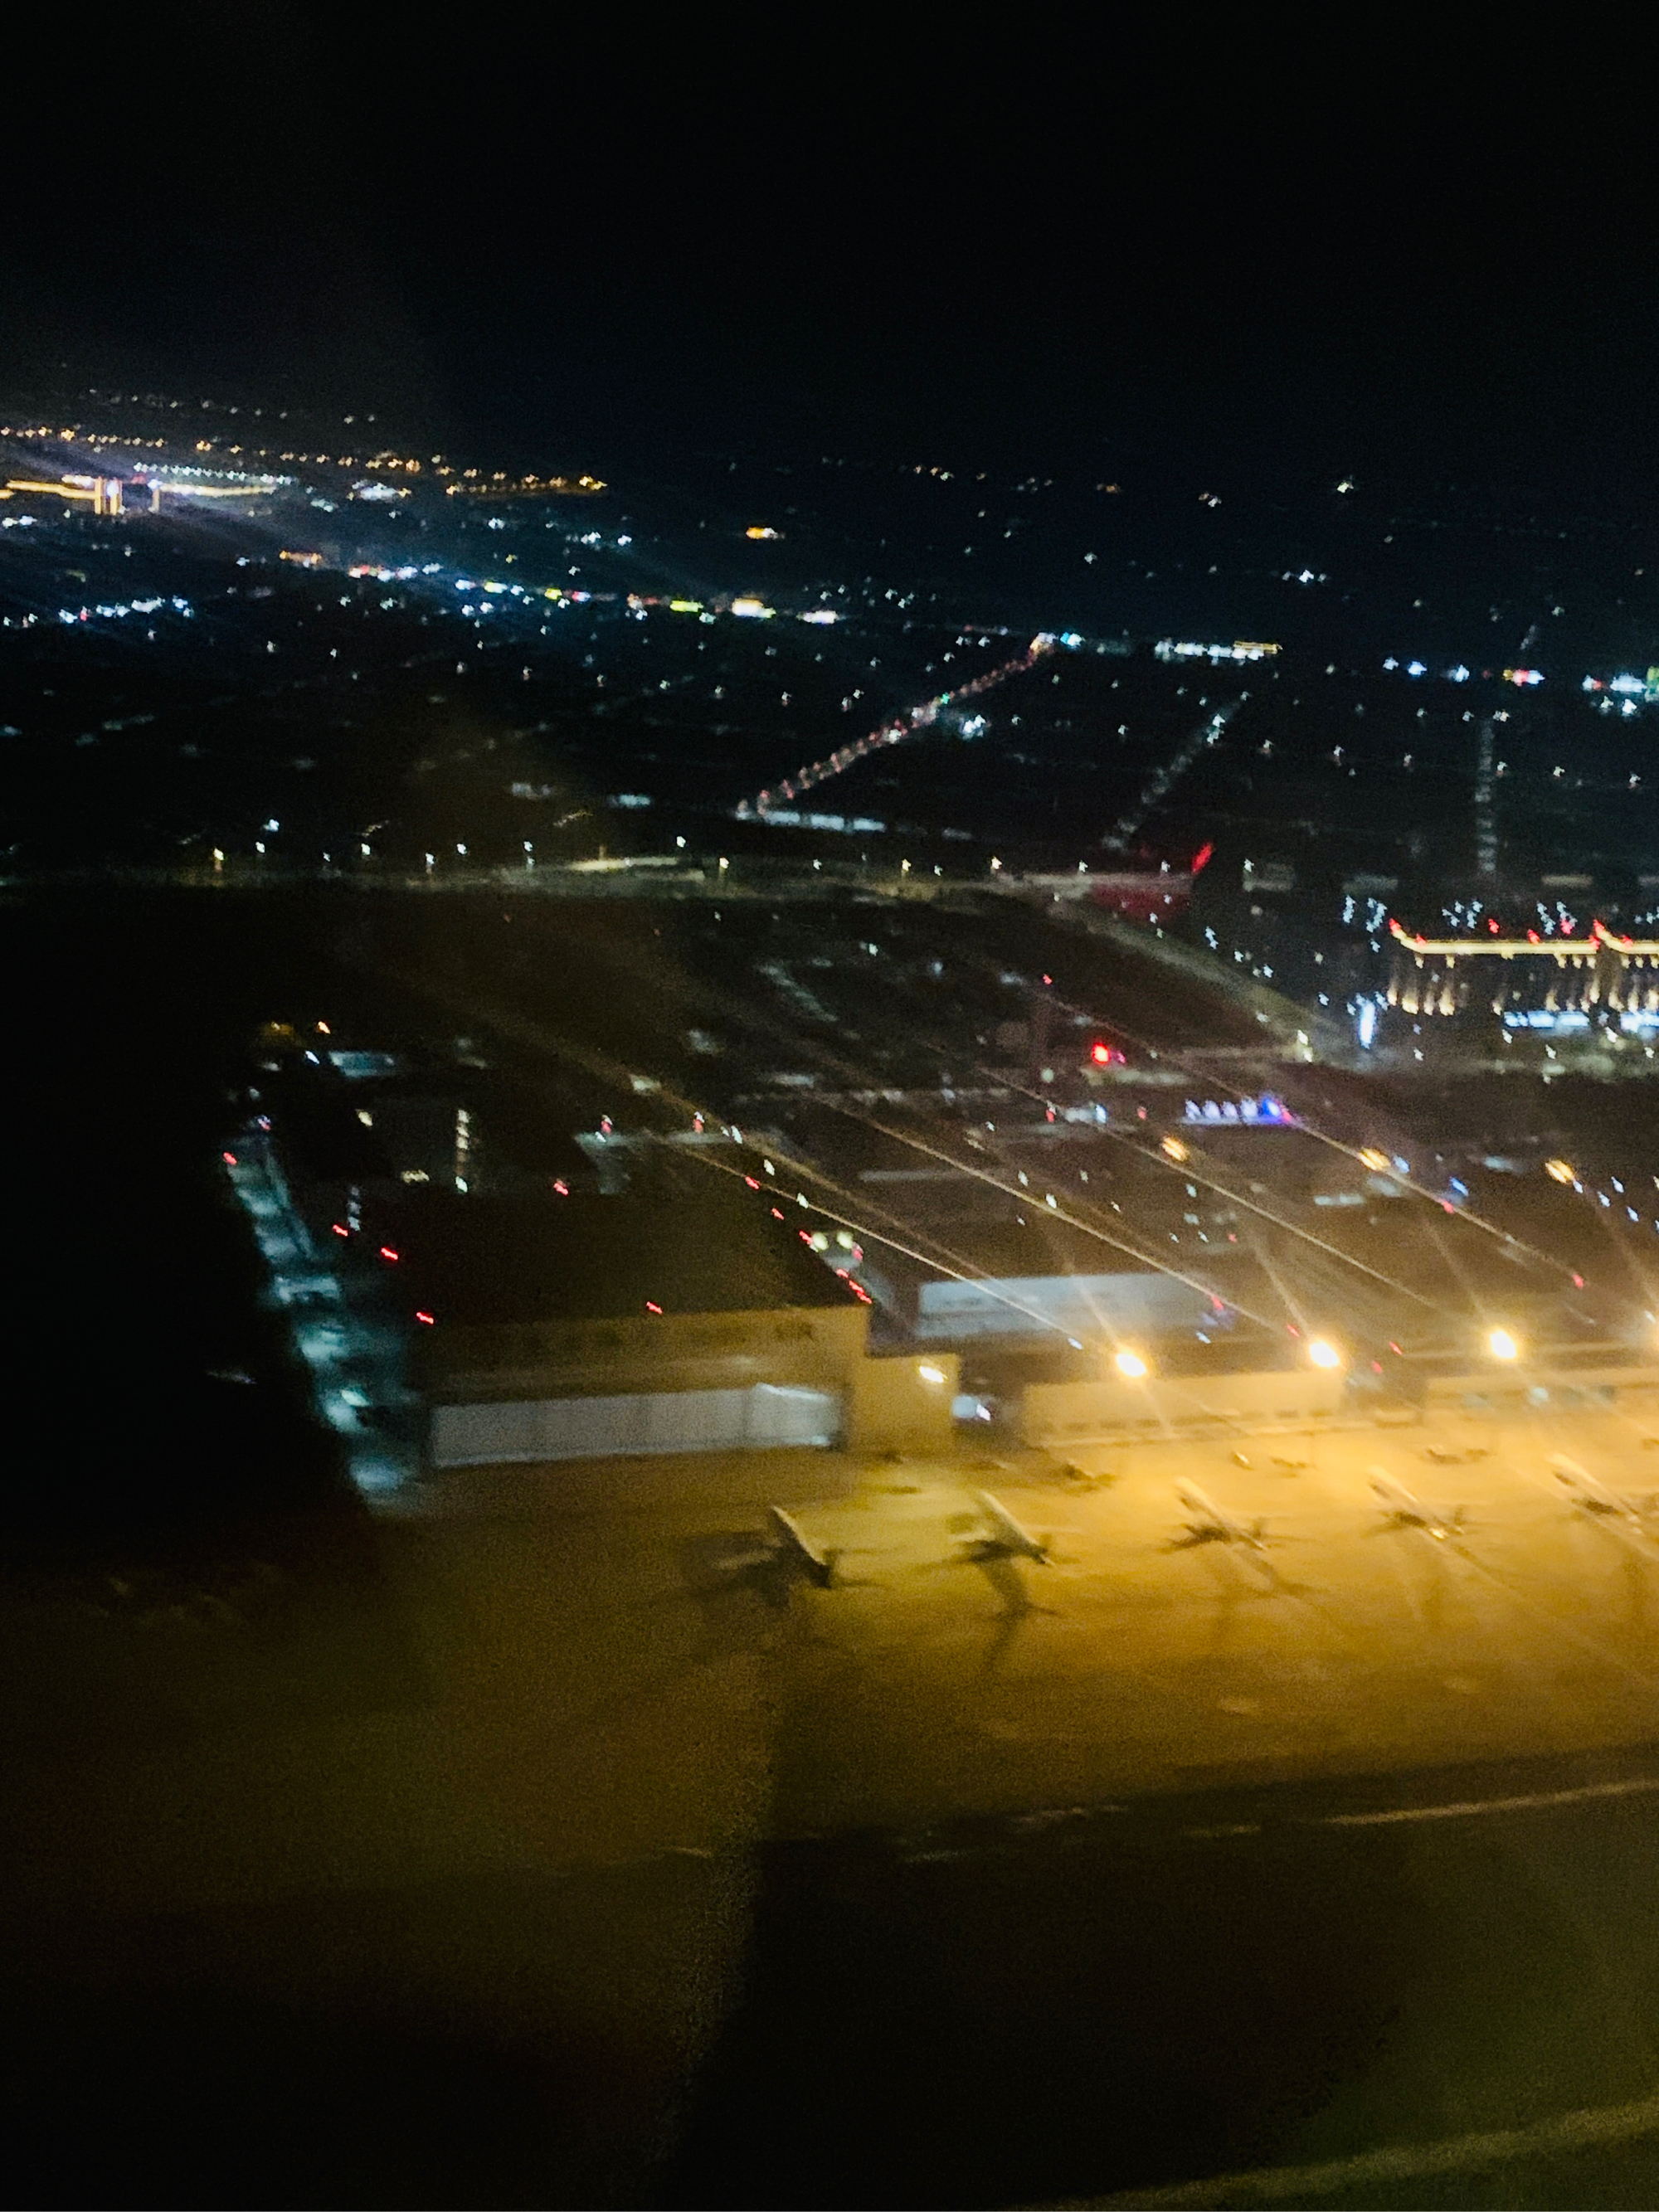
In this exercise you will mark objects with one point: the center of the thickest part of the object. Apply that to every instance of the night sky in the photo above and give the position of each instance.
(1268, 258)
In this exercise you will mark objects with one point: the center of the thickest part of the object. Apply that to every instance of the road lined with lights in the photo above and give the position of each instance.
(765, 803)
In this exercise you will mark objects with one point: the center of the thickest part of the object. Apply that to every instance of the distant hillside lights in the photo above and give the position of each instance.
(473, 483)
(1243, 649)
(1629, 692)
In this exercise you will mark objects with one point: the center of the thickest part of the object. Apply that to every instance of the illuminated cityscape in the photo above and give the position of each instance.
(836, 1195)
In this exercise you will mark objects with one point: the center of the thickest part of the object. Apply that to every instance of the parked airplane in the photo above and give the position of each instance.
(795, 1549)
(1210, 1525)
(1581, 1486)
(1006, 1533)
(1409, 1511)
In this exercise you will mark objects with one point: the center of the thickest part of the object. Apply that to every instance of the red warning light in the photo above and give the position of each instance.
(386, 1252)
(229, 1159)
(1101, 1054)
(426, 1318)
(651, 1306)
(340, 1229)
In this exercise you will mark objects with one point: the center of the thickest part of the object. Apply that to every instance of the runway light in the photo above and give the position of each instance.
(1501, 1345)
(1559, 1171)
(1323, 1353)
(1173, 1148)
(1130, 1363)
(929, 1373)
(1376, 1161)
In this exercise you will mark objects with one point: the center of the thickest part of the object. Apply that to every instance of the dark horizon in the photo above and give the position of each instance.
(1025, 262)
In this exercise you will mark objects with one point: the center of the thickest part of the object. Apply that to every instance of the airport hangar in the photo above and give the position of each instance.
(747, 1349)
(588, 1326)
(694, 1309)
(643, 1323)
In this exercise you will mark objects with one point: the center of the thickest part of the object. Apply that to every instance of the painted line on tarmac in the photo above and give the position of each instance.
(1467, 1810)
(1371, 2170)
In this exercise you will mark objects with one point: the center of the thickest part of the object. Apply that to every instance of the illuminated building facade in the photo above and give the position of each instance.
(1529, 981)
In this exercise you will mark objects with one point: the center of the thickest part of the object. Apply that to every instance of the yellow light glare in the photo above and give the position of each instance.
(1559, 1171)
(929, 1373)
(1130, 1363)
(1323, 1353)
(1501, 1345)
(1174, 1149)
(1371, 1159)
